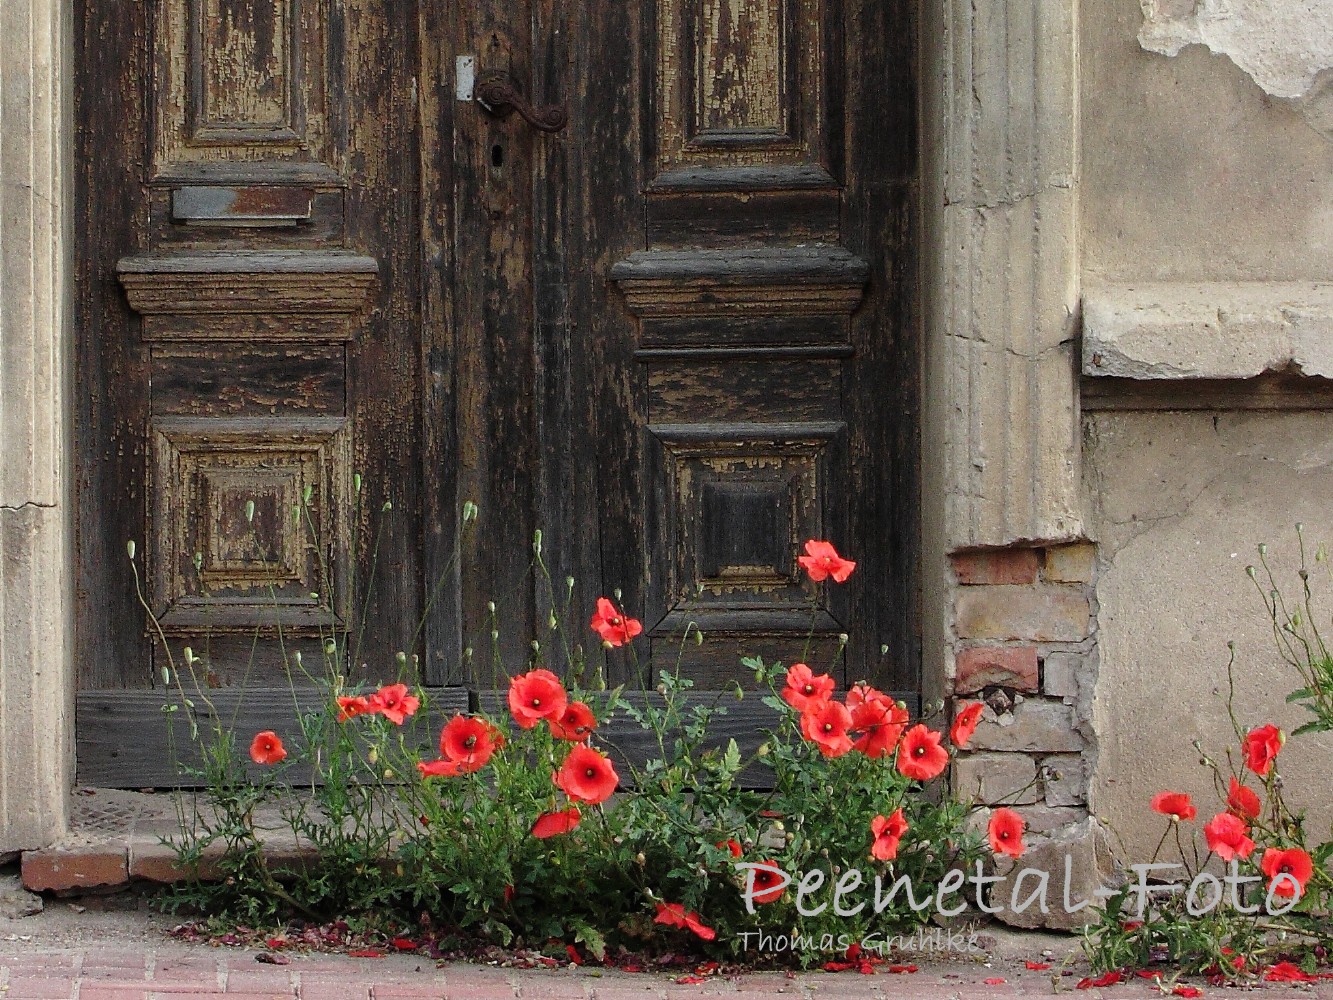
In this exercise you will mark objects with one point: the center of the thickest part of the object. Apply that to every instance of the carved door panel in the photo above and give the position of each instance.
(249, 354)
(677, 334)
(317, 275)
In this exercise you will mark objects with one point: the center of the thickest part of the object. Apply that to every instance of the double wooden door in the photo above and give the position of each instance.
(637, 275)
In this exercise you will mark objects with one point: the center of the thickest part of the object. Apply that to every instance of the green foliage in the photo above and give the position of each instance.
(390, 845)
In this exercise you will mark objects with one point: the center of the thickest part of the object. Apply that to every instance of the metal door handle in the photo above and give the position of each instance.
(498, 96)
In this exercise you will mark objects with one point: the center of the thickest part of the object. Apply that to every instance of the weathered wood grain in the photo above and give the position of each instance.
(624, 333)
(126, 739)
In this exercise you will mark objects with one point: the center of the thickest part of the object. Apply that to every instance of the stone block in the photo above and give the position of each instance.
(1058, 613)
(1060, 673)
(1065, 779)
(1003, 567)
(997, 778)
(979, 667)
(58, 868)
(1042, 818)
(1077, 857)
(1034, 726)
(1070, 563)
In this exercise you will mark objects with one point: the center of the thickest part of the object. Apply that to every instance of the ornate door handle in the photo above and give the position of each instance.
(498, 96)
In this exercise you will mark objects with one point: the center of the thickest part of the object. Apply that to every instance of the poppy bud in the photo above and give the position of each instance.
(1249, 571)
(823, 853)
(388, 773)
(373, 755)
(640, 859)
(495, 634)
(1263, 549)
(536, 646)
(790, 838)
(469, 511)
(661, 688)
(387, 507)
(763, 750)
(250, 511)
(490, 607)
(401, 657)
(129, 547)
(843, 638)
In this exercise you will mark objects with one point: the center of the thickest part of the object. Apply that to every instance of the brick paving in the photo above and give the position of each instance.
(179, 972)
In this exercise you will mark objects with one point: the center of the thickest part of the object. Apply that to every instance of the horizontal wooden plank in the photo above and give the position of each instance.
(197, 380)
(713, 332)
(758, 177)
(124, 739)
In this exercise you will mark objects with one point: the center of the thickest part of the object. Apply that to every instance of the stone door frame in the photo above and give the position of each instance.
(999, 127)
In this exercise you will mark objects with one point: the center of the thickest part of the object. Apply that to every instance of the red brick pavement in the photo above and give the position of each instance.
(149, 973)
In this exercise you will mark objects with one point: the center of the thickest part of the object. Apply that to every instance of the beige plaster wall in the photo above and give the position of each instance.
(1193, 173)
(1179, 502)
(1190, 171)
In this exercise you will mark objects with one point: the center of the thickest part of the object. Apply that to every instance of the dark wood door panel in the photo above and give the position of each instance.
(676, 336)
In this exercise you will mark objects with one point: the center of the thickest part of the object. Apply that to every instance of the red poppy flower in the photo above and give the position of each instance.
(552, 824)
(1005, 832)
(861, 693)
(575, 723)
(920, 755)
(675, 915)
(805, 687)
(536, 695)
(1260, 747)
(267, 748)
(469, 741)
(1294, 863)
(888, 831)
(1187, 991)
(394, 703)
(965, 724)
(881, 724)
(351, 707)
(1227, 837)
(1288, 972)
(1243, 801)
(587, 776)
(612, 626)
(440, 768)
(825, 724)
(730, 845)
(822, 560)
(1176, 805)
(768, 884)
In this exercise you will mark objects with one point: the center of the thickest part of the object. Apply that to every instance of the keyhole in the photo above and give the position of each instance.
(497, 155)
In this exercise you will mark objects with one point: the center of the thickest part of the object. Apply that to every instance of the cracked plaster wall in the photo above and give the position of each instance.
(1178, 502)
(1190, 170)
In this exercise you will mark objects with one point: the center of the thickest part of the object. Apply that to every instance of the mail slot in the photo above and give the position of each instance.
(258, 207)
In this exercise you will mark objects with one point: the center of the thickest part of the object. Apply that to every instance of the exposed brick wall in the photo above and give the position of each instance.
(1024, 627)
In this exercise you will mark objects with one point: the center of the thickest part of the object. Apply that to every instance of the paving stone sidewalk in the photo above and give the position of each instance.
(172, 971)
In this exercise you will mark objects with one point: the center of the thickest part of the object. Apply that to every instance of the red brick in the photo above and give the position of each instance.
(978, 667)
(1002, 566)
(109, 991)
(57, 868)
(1052, 613)
(38, 988)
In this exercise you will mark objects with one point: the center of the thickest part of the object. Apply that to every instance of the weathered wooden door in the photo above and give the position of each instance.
(330, 262)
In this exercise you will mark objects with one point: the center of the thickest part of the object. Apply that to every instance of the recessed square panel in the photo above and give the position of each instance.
(249, 522)
(743, 528)
(739, 503)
